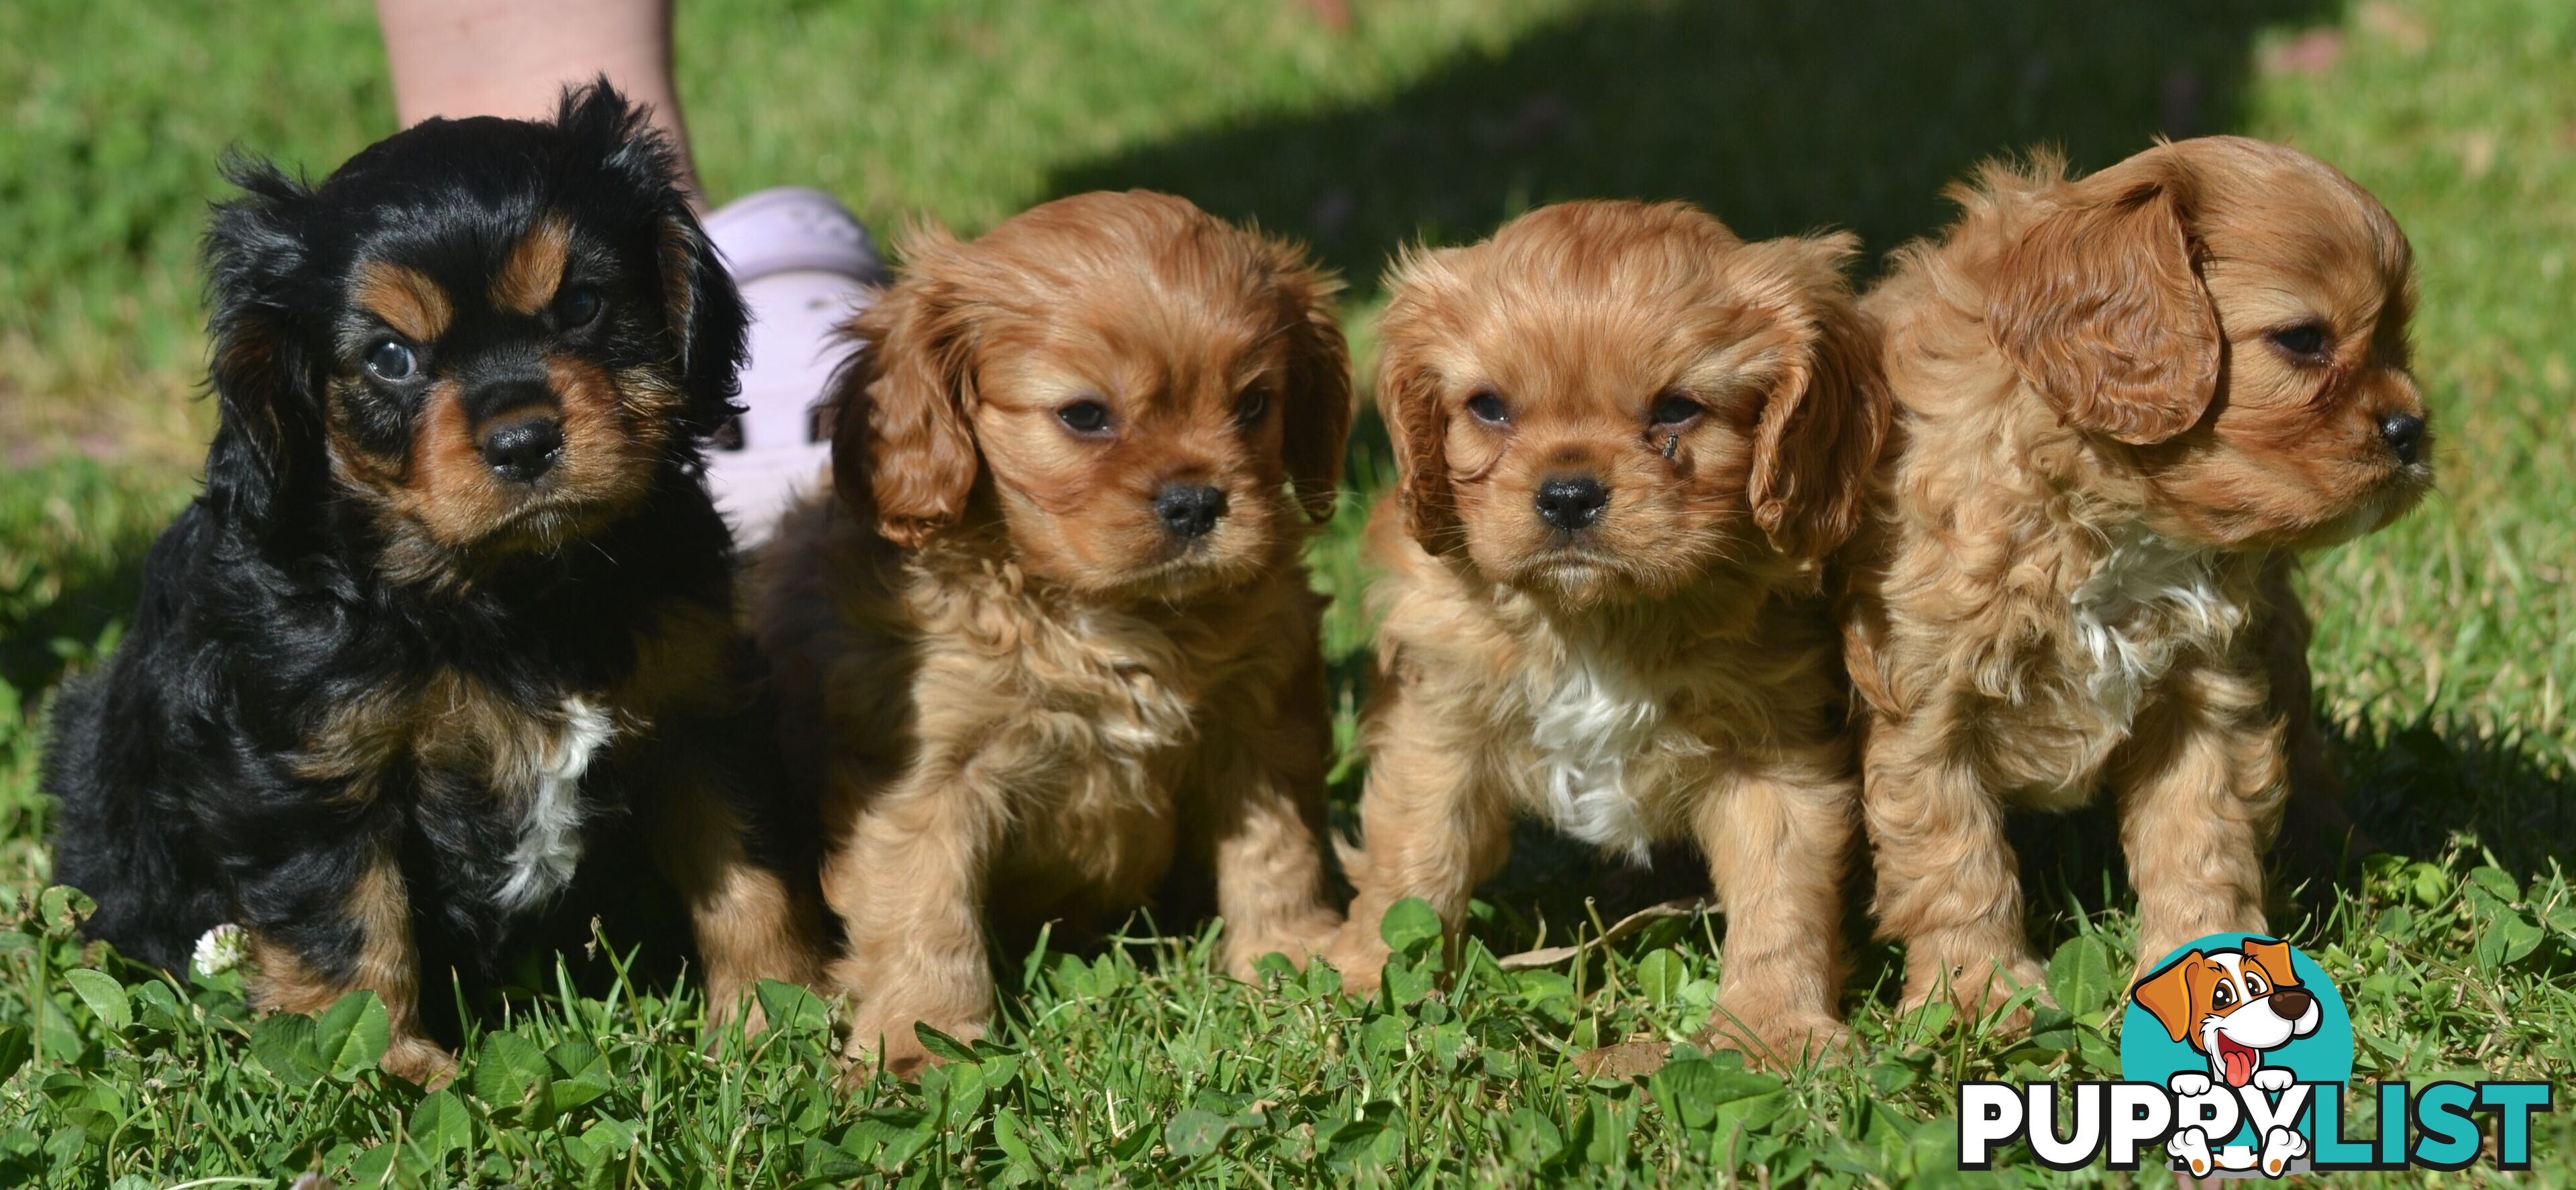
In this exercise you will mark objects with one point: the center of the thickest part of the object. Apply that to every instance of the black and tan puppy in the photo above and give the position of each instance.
(454, 598)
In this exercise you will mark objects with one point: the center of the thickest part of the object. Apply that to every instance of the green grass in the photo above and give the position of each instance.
(2445, 655)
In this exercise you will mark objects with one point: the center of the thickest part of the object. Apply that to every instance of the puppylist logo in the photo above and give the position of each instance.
(2236, 1060)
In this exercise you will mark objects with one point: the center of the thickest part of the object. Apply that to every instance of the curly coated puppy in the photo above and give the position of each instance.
(2125, 403)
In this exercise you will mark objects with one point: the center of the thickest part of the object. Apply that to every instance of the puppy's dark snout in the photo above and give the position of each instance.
(1189, 509)
(1571, 502)
(2404, 433)
(2291, 1003)
(522, 450)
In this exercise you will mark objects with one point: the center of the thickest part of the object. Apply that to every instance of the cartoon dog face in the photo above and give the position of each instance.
(2231, 1005)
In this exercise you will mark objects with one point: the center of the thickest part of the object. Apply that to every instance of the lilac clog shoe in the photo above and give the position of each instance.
(804, 264)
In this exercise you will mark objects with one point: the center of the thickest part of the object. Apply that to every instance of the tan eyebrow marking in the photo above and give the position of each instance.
(534, 268)
(405, 299)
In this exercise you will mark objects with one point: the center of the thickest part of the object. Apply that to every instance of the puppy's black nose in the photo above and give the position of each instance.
(1188, 509)
(2291, 1003)
(1571, 502)
(520, 451)
(2405, 435)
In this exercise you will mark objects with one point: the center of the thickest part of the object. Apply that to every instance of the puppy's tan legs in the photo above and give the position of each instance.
(1431, 827)
(909, 886)
(1947, 883)
(1266, 787)
(2201, 786)
(1777, 843)
(388, 964)
(750, 924)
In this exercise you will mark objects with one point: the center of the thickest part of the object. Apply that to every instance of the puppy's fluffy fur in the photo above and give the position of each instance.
(1651, 662)
(454, 599)
(2125, 402)
(1054, 635)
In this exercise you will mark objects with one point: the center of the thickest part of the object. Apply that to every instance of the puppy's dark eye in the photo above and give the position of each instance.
(1084, 417)
(391, 361)
(1673, 409)
(2306, 341)
(578, 306)
(2254, 984)
(2222, 996)
(1488, 408)
(1254, 402)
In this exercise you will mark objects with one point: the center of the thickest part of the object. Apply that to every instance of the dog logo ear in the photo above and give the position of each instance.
(1315, 426)
(2274, 956)
(269, 434)
(903, 452)
(2169, 995)
(2101, 309)
(1822, 427)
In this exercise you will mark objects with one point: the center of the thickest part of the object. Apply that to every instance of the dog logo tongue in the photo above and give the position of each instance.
(2240, 1060)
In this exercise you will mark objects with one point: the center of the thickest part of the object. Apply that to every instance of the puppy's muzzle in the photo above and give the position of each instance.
(1188, 510)
(519, 435)
(1571, 502)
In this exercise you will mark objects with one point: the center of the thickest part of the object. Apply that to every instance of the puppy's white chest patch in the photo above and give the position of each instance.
(550, 840)
(1588, 726)
(2147, 602)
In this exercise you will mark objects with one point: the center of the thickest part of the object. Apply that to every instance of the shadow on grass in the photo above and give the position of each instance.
(2413, 789)
(73, 535)
(2417, 786)
(1779, 118)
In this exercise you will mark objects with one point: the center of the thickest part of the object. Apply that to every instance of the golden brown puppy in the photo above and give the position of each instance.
(2124, 403)
(1625, 439)
(1054, 634)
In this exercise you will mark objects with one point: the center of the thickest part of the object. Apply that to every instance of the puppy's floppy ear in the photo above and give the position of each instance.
(2169, 995)
(1409, 400)
(2101, 309)
(903, 452)
(1825, 419)
(1315, 420)
(703, 314)
(2274, 956)
(268, 439)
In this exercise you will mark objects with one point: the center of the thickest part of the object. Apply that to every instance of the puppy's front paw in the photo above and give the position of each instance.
(1978, 986)
(2188, 1083)
(1299, 941)
(2273, 1078)
(726, 1007)
(889, 1042)
(1783, 1041)
(1359, 955)
(420, 1060)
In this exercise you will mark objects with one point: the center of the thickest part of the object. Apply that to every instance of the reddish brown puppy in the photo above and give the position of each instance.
(1625, 438)
(1053, 635)
(2125, 404)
